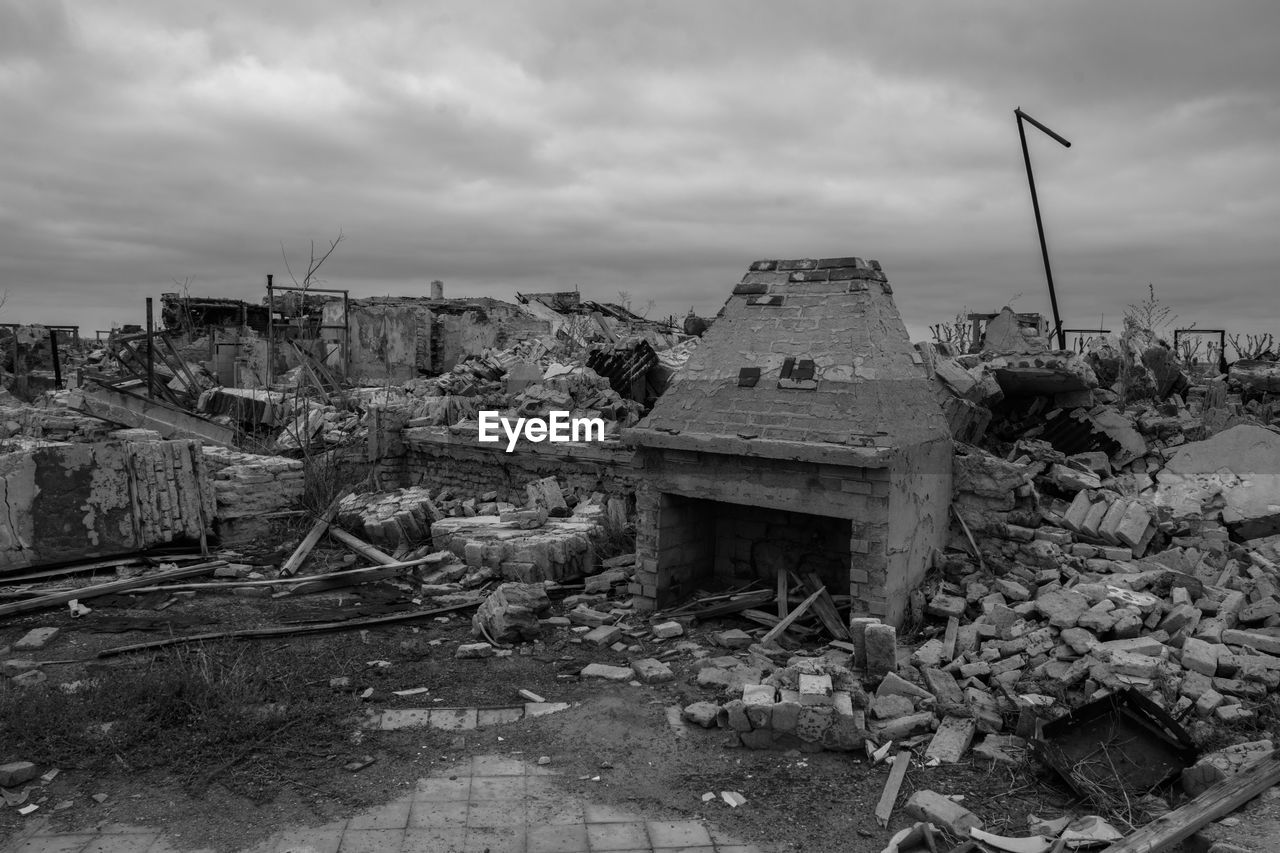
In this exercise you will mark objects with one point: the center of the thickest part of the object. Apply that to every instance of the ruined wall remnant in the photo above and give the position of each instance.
(77, 501)
(455, 459)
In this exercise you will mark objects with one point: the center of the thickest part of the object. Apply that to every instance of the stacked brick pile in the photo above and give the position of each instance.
(171, 495)
(527, 545)
(389, 520)
(247, 485)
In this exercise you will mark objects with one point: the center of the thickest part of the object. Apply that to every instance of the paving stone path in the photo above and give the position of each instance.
(490, 804)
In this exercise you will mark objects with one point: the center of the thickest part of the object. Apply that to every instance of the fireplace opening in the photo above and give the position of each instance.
(705, 544)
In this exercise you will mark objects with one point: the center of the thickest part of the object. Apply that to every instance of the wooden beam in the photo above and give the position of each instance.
(782, 595)
(290, 630)
(63, 596)
(309, 541)
(364, 549)
(1217, 802)
(786, 621)
(825, 607)
(892, 785)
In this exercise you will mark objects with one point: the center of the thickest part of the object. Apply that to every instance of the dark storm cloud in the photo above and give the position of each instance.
(652, 148)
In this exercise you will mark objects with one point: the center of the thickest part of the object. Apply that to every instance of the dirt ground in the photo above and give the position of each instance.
(614, 745)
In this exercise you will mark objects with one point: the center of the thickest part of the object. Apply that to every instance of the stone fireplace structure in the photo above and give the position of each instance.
(801, 435)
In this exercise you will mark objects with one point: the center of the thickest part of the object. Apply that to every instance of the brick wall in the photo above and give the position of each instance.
(439, 457)
(740, 503)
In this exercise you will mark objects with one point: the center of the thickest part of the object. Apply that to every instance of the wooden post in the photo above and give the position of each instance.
(1217, 802)
(151, 361)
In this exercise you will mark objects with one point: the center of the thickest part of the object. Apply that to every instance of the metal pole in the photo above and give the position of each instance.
(57, 364)
(271, 328)
(1035, 204)
(151, 363)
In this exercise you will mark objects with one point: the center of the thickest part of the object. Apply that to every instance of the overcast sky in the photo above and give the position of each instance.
(655, 148)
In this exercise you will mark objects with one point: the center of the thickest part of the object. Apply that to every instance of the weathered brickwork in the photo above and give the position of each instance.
(836, 429)
(439, 457)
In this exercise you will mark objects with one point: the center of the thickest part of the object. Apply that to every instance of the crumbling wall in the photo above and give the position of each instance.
(388, 340)
(438, 457)
(919, 501)
(77, 501)
(470, 329)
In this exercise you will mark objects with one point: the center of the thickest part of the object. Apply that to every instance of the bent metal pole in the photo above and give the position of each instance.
(1035, 205)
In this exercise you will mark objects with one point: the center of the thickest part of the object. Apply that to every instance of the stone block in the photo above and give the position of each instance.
(785, 716)
(1200, 656)
(702, 713)
(903, 727)
(815, 689)
(1062, 607)
(652, 671)
(813, 721)
(882, 651)
(891, 707)
(952, 740)
(605, 635)
(733, 715)
(16, 772)
(607, 672)
(1266, 643)
(667, 630)
(467, 651)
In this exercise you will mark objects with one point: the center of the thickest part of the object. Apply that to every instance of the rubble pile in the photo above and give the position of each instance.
(389, 520)
(321, 425)
(526, 545)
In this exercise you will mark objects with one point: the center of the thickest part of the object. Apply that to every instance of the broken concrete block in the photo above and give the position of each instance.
(545, 494)
(929, 654)
(1062, 607)
(652, 671)
(733, 715)
(903, 727)
(858, 636)
(16, 772)
(785, 716)
(945, 606)
(607, 672)
(1199, 656)
(891, 707)
(815, 689)
(1266, 643)
(734, 638)
(605, 635)
(511, 613)
(667, 630)
(933, 807)
(36, 638)
(882, 651)
(896, 684)
(952, 740)
(474, 650)
(813, 721)
(702, 713)
(1012, 590)
(1215, 767)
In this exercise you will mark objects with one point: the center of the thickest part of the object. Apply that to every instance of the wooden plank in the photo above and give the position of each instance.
(982, 564)
(1217, 802)
(892, 785)
(68, 570)
(364, 549)
(789, 618)
(331, 580)
(63, 596)
(782, 595)
(290, 630)
(825, 607)
(309, 541)
(760, 617)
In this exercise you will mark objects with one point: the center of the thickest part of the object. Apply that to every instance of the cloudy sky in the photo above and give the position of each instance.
(655, 148)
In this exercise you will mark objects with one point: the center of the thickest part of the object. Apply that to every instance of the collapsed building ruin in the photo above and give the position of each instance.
(1054, 527)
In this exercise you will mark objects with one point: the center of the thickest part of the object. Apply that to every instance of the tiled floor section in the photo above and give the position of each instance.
(492, 803)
